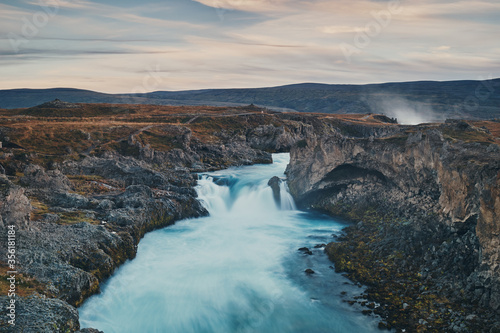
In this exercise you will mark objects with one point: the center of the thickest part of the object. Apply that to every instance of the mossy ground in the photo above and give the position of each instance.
(25, 285)
(94, 185)
(407, 301)
(468, 136)
(65, 218)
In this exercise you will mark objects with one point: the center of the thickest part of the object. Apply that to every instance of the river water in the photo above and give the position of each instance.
(238, 270)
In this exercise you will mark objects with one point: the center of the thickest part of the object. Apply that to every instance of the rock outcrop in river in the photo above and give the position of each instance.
(427, 199)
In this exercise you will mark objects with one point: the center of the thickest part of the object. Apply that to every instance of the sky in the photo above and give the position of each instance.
(124, 46)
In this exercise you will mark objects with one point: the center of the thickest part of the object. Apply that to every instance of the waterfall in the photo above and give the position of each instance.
(237, 270)
(241, 198)
(287, 202)
(226, 193)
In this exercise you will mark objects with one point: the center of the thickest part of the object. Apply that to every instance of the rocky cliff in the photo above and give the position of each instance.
(428, 205)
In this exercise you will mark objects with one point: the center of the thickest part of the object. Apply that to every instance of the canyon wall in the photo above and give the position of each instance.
(436, 193)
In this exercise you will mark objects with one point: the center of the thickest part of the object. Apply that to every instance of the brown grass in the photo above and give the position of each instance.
(57, 134)
(88, 185)
(62, 132)
(492, 126)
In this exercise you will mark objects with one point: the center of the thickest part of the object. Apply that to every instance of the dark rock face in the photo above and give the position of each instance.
(306, 250)
(15, 207)
(267, 137)
(36, 177)
(244, 147)
(274, 183)
(125, 170)
(443, 194)
(41, 315)
(72, 273)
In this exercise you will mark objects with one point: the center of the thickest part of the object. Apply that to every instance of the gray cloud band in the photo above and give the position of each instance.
(32, 26)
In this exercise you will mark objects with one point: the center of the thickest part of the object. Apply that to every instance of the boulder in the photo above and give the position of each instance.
(40, 314)
(15, 207)
(53, 180)
(274, 183)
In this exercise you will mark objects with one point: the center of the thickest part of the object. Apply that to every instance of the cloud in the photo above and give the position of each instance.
(255, 6)
(10, 12)
(335, 29)
(149, 21)
(452, 9)
(73, 4)
(442, 48)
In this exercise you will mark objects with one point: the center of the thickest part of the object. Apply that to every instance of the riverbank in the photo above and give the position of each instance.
(426, 220)
(409, 299)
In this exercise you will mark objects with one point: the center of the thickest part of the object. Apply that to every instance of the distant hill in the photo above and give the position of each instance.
(429, 100)
(25, 98)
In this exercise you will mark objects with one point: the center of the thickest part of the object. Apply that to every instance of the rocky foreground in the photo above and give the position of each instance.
(80, 184)
(426, 200)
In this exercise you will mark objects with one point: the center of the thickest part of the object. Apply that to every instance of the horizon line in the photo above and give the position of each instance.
(264, 87)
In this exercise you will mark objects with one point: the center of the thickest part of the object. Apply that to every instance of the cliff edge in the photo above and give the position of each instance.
(426, 200)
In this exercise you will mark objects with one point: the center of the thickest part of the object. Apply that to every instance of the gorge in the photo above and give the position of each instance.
(83, 183)
(237, 270)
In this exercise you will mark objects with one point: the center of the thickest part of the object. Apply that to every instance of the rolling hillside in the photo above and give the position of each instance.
(430, 99)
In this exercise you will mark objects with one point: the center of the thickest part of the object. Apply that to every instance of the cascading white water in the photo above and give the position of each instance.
(237, 270)
(287, 202)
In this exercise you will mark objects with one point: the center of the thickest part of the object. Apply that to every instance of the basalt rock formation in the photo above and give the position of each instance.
(274, 183)
(80, 199)
(427, 199)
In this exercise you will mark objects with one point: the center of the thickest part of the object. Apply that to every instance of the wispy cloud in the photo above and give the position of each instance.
(73, 4)
(342, 29)
(257, 6)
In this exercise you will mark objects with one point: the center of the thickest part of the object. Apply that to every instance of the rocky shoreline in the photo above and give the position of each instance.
(67, 243)
(425, 202)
